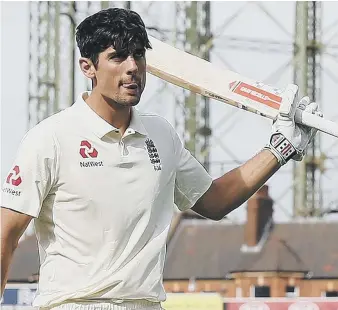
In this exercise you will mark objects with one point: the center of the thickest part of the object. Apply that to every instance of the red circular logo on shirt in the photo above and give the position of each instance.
(14, 177)
(87, 150)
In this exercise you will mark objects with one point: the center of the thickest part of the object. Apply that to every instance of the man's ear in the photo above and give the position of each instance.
(87, 67)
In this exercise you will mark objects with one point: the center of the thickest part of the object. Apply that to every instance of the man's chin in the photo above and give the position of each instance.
(131, 101)
(125, 101)
(128, 102)
(131, 96)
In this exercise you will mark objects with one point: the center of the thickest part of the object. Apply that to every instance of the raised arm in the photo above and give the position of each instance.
(288, 141)
(233, 188)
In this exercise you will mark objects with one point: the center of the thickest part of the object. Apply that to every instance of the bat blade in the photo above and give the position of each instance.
(202, 77)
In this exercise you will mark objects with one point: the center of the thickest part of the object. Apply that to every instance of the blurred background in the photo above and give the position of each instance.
(282, 243)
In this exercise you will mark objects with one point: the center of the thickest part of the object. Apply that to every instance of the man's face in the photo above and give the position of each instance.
(121, 77)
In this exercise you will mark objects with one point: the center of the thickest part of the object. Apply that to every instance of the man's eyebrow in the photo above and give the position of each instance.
(116, 53)
(111, 54)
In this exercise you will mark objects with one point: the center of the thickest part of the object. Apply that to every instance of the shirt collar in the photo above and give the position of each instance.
(99, 126)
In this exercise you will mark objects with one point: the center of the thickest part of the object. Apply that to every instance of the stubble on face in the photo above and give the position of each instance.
(120, 79)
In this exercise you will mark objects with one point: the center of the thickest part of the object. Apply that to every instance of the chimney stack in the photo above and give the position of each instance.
(259, 214)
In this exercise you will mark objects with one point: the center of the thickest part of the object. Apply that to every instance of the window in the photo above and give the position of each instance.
(291, 291)
(331, 294)
(262, 291)
(192, 285)
(238, 292)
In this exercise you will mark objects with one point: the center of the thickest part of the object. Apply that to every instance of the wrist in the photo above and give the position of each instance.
(281, 148)
(275, 154)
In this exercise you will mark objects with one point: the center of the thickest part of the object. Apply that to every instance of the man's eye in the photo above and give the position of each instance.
(139, 54)
(118, 57)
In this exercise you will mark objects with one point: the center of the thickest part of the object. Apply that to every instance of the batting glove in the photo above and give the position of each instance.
(289, 140)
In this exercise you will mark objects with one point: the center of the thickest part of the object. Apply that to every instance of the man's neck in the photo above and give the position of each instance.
(119, 117)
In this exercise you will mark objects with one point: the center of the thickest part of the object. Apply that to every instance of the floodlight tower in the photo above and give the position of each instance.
(192, 35)
(307, 75)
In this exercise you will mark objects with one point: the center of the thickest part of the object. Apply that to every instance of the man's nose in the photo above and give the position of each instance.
(131, 65)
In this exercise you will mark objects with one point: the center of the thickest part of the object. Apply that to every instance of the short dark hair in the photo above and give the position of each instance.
(119, 28)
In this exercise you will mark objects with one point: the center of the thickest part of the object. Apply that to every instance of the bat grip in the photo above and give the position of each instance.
(317, 122)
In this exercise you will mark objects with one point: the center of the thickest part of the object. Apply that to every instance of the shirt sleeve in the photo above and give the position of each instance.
(32, 175)
(192, 180)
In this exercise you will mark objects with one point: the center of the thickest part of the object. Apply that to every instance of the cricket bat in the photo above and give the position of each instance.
(200, 76)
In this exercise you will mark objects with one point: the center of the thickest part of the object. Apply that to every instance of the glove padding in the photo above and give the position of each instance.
(289, 139)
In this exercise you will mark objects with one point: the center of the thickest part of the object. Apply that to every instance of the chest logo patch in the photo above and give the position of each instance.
(153, 155)
(88, 151)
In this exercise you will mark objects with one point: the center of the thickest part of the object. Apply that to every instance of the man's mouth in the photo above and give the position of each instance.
(130, 85)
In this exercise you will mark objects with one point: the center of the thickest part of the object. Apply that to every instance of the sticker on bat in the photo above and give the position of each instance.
(256, 94)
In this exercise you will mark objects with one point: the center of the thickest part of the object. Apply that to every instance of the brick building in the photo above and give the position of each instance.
(257, 259)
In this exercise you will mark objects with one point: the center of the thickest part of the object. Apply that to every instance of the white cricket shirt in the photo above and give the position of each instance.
(103, 204)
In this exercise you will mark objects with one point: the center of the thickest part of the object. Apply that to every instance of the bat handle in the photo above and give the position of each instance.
(317, 122)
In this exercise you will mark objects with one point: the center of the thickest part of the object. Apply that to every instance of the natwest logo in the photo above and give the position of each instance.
(14, 177)
(87, 151)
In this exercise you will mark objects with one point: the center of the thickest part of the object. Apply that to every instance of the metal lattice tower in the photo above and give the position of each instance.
(307, 74)
(192, 35)
(52, 55)
(44, 61)
(47, 67)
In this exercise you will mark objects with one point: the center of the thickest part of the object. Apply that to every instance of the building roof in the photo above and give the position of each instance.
(206, 249)
(213, 250)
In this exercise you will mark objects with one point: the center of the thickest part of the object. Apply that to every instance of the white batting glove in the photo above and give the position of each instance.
(289, 140)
